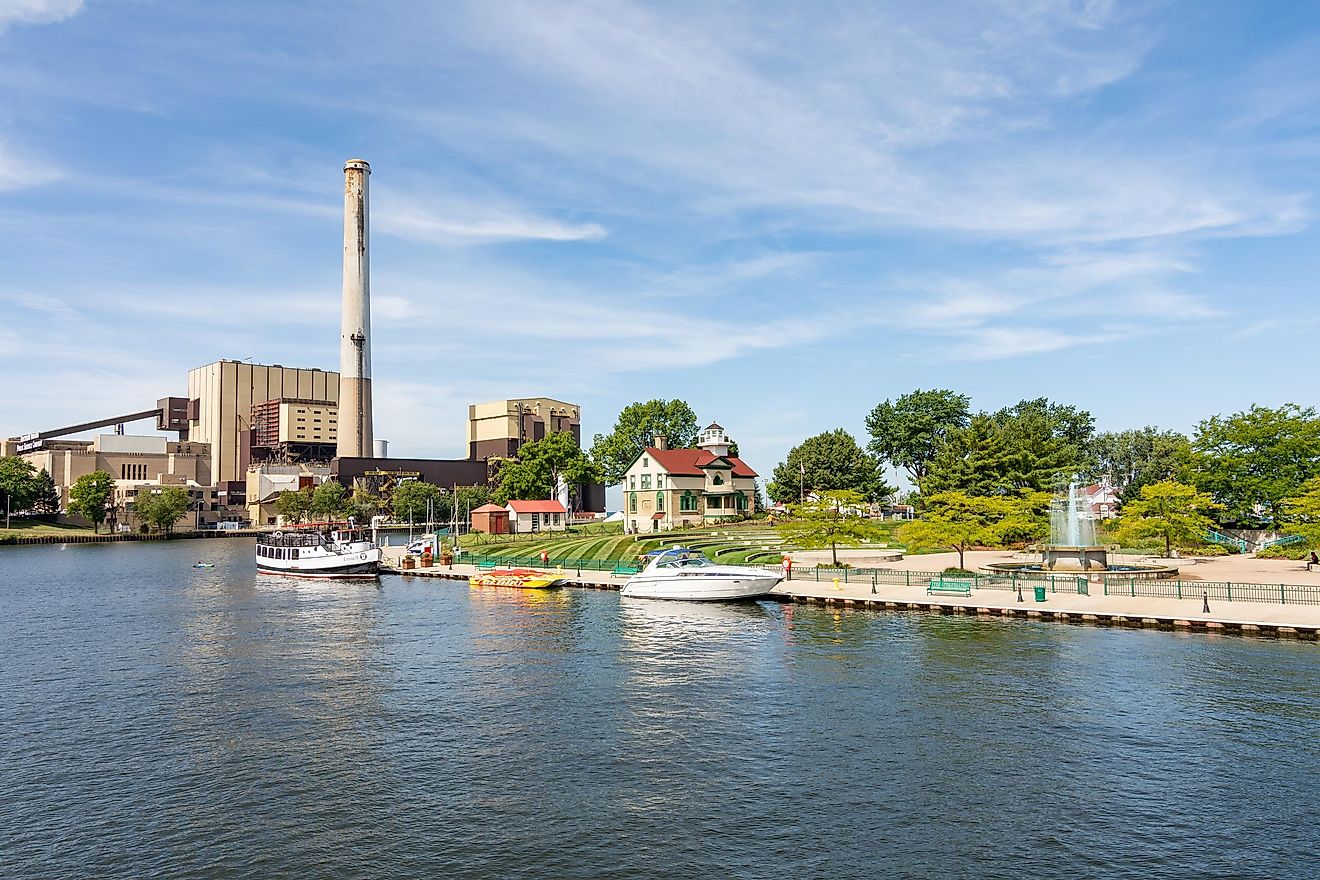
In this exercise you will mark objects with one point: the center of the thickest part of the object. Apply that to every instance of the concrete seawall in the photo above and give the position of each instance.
(1245, 618)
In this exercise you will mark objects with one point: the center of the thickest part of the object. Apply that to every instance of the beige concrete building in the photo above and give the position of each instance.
(132, 461)
(499, 428)
(667, 488)
(266, 482)
(221, 397)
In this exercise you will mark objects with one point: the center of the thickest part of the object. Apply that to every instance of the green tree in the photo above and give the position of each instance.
(1302, 514)
(960, 521)
(363, 504)
(294, 506)
(828, 462)
(544, 465)
(89, 496)
(636, 428)
(329, 500)
(410, 501)
(1033, 446)
(46, 498)
(18, 484)
(1173, 511)
(1252, 461)
(161, 508)
(1135, 458)
(909, 431)
(831, 519)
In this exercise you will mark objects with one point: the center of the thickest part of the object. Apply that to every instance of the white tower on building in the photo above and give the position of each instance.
(714, 440)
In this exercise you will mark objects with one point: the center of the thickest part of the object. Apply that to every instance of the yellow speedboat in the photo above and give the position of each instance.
(521, 578)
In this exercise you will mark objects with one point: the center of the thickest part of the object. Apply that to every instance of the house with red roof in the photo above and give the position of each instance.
(537, 516)
(665, 488)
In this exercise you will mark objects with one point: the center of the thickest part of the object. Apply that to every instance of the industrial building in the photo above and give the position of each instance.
(499, 429)
(248, 414)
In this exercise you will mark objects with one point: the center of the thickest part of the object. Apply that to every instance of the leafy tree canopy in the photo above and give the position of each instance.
(1252, 461)
(961, 521)
(161, 508)
(544, 465)
(831, 519)
(909, 431)
(1175, 512)
(329, 500)
(18, 484)
(293, 506)
(409, 502)
(636, 428)
(1136, 458)
(828, 462)
(1033, 446)
(1302, 514)
(90, 494)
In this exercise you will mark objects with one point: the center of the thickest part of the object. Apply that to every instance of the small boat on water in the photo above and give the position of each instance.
(522, 578)
(203, 565)
(676, 573)
(320, 550)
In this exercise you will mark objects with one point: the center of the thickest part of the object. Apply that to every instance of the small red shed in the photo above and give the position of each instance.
(491, 519)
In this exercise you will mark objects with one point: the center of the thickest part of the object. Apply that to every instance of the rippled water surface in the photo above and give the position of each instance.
(157, 720)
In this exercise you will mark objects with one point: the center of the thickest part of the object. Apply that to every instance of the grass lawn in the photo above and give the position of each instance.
(38, 529)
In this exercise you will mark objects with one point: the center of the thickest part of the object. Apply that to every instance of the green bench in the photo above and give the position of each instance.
(485, 566)
(626, 569)
(953, 587)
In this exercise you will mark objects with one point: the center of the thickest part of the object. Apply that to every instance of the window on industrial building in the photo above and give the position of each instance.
(632, 502)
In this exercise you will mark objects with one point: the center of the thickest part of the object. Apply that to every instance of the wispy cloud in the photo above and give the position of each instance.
(14, 12)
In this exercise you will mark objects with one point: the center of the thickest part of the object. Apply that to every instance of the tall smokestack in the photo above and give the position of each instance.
(355, 329)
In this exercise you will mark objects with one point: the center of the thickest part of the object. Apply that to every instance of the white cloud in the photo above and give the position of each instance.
(36, 11)
(409, 217)
(18, 171)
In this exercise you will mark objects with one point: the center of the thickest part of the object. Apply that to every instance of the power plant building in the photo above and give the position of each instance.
(222, 397)
(499, 429)
(355, 434)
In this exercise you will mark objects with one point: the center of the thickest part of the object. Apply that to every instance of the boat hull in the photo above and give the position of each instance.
(695, 588)
(518, 578)
(356, 571)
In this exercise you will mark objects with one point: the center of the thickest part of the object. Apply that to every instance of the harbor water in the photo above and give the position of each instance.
(165, 721)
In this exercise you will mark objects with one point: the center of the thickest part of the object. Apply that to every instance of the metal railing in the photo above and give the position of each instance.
(1113, 584)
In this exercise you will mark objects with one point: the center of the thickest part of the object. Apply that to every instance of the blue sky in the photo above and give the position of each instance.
(782, 213)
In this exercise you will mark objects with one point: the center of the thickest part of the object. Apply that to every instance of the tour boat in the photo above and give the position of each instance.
(319, 550)
(673, 574)
(523, 578)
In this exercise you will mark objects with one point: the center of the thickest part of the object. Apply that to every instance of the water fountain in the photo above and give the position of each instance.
(1072, 548)
(1072, 545)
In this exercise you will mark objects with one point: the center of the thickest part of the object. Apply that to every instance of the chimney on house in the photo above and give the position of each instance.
(661, 442)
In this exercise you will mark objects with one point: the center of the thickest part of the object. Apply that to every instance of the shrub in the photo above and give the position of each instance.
(955, 571)
(1285, 551)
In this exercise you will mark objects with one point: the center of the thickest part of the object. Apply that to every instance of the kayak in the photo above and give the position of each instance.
(522, 578)
(203, 565)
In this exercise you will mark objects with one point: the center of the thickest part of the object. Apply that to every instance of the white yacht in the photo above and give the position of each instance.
(320, 550)
(672, 574)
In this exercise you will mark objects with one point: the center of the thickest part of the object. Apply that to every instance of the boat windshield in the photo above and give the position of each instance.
(691, 562)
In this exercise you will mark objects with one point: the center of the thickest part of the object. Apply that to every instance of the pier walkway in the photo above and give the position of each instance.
(1249, 618)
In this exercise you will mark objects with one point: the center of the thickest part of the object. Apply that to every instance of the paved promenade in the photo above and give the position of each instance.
(1295, 621)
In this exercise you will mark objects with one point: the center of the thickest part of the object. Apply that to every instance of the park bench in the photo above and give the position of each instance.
(626, 569)
(485, 566)
(951, 586)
